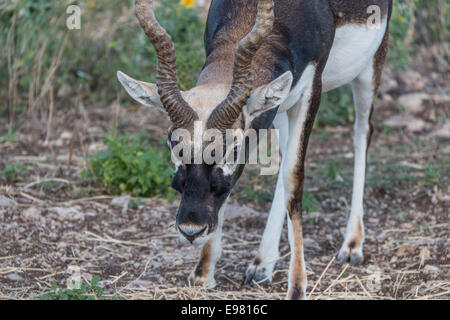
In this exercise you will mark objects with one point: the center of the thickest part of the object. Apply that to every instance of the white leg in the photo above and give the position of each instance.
(203, 273)
(363, 95)
(261, 269)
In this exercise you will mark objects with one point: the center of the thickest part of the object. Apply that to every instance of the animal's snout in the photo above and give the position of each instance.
(191, 232)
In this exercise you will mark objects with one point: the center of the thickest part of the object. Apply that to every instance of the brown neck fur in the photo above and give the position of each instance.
(218, 68)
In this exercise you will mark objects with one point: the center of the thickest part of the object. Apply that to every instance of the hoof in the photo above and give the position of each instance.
(259, 274)
(352, 254)
(195, 281)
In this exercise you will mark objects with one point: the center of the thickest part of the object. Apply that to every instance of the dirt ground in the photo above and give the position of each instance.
(50, 219)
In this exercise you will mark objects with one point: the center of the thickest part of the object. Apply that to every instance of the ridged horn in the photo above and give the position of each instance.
(180, 113)
(227, 112)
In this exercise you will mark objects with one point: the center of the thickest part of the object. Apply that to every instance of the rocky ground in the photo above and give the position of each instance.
(51, 220)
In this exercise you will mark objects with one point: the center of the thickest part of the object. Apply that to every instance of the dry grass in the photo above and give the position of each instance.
(137, 255)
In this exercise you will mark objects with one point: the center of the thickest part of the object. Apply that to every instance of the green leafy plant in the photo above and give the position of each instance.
(310, 203)
(87, 291)
(250, 194)
(431, 176)
(10, 137)
(132, 166)
(400, 33)
(12, 171)
(432, 20)
(336, 108)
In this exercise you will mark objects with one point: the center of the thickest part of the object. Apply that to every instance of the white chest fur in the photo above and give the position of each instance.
(353, 48)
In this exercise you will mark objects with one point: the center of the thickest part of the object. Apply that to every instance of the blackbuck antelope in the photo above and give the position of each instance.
(267, 62)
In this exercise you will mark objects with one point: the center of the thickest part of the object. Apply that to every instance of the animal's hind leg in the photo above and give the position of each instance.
(364, 90)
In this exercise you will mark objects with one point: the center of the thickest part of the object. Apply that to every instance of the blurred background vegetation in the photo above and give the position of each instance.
(40, 54)
(42, 62)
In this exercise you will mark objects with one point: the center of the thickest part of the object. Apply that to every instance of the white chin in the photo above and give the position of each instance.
(200, 241)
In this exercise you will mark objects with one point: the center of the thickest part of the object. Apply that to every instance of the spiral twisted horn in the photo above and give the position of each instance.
(180, 113)
(227, 112)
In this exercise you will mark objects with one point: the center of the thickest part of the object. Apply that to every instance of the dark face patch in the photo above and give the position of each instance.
(203, 189)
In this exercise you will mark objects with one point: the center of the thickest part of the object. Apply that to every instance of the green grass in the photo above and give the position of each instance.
(387, 173)
(336, 108)
(409, 18)
(110, 39)
(256, 189)
(32, 38)
(10, 137)
(87, 291)
(11, 172)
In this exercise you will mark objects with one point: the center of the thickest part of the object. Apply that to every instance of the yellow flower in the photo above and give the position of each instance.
(91, 5)
(188, 3)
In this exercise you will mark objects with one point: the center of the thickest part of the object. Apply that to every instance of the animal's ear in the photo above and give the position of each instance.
(268, 96)
(143, 92)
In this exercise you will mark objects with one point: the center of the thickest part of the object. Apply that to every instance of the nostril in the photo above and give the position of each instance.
(191, 232)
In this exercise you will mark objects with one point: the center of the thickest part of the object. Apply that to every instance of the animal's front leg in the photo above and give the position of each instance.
(203, 273)
(261, 269)
(301, 120)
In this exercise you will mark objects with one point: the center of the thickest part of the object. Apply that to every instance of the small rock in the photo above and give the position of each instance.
(443, 132)
(310, 243)
(96, 147)
(413, 80)
(68, 213)
(66, 135)
(14, 277)
(121, 202)
(6, 202)
(406, 225)
(141, 284)
(405, 249)
(413, 102)
(236, 211)
(411, 123)
(32, 213)
(431, 269)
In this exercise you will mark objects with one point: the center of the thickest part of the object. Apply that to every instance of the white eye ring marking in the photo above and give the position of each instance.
(229, 167)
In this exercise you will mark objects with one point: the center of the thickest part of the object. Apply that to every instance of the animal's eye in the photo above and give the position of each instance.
(179, 180)
(215, 180)
(236, 153)
(214, 186)
(219, 185)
